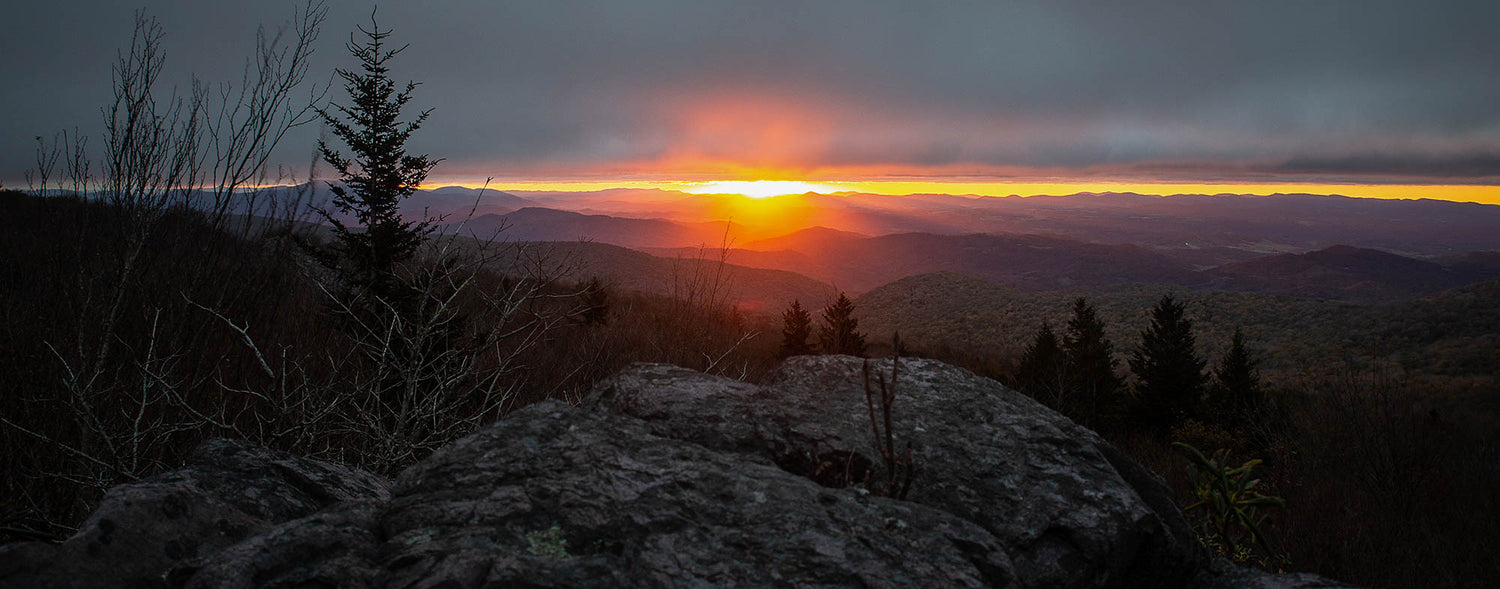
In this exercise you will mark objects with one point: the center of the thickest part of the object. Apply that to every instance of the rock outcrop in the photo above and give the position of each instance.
(229, 496)
(1044, 486)
(668, 477)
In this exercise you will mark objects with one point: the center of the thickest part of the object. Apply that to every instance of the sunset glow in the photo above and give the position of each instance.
(762, 188)
(1478, 193)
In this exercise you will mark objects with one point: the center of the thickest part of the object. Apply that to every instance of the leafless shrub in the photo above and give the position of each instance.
(126, 399)
(702, 311)
(900, 467)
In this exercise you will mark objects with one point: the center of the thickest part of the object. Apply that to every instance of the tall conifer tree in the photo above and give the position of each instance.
(1094, 395)
(796, 327)
(1043, 367)
(377, 174)
(839, 333)
(1168, 370)
(1238, 389)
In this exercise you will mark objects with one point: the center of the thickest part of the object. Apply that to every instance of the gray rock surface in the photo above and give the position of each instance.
(669, 478)
(335, 547)
(1054, 493)
(148, 533)
(558, 496)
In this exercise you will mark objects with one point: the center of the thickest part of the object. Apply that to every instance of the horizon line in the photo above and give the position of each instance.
(1471, 193)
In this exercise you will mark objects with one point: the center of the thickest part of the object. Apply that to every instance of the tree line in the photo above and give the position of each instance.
(1078, 374)
(838, 334)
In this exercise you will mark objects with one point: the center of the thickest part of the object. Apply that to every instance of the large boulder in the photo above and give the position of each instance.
(157, 530)
(1068, 508)
(671, 478)
(561, 497)
(337, 546)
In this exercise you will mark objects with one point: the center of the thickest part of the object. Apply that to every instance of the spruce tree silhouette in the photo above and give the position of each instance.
(1094, 394)
(1169, 371)
(377, 174)
(1043, 368)
(839, 333)
(1237, 391)
(796, 327)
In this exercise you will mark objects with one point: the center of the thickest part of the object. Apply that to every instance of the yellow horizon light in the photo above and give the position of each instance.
(760, 188)
(1477, 193)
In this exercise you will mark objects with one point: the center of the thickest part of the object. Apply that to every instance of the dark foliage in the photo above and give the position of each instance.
(80, 417)
(1376, 424)
(184, 369)
(1093, 398)
(1230, 511)
(377, 175)
(1236, 392)
(596, 302)
(1388, 485)
(839, 333)
(796, 328)
(1169, 373)
(1042, 371)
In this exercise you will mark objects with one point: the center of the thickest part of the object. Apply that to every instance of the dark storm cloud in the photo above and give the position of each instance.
(1479, 165)
(558, 86)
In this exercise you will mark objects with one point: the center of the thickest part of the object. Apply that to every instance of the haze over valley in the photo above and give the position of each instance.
(1328, 247)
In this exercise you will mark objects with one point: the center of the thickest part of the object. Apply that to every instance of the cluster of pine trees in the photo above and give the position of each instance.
(1077, 374)
(839, 333)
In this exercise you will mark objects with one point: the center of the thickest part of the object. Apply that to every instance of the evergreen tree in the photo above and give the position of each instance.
(839, 333)
(378, 174)
(1168, 370)
(415, 357)
(1041, 372)
(1094, 394)
(595, 303)
(1238, 388)
(796, 327)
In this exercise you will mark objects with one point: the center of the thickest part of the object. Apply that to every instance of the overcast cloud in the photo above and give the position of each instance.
(1173, 90)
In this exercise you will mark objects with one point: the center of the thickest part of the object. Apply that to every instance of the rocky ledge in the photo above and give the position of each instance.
(669, 477)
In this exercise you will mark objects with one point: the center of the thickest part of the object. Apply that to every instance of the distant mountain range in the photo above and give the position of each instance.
(754, 290)
(1345, 273)
(456, 203)
(1041, 263)
(1329, 247)
(1029, 262)
(542, 224)
(1202, 230)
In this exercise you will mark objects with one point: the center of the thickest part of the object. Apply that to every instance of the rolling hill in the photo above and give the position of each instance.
(1223, 242)
(1197, 229)
(456, 203)
(543, 224)
(1028, 262)
(1342, 273)
(1038, 263)
(1451, 333)
(754, 290)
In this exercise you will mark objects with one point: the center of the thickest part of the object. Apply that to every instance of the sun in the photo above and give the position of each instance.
(761, 188)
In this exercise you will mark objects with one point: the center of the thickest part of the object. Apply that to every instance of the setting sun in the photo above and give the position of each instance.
(761, 188)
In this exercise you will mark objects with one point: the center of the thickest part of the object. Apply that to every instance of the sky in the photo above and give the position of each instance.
(1399, 98)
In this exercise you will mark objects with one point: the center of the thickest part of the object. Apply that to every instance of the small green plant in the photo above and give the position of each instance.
(1230, 508)
(549, 543)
